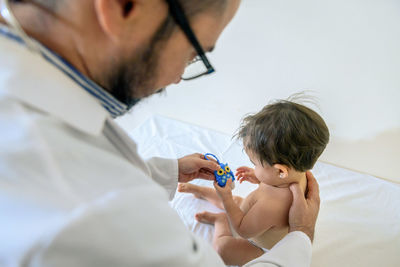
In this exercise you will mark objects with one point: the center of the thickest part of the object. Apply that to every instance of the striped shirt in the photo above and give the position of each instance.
(110, 103)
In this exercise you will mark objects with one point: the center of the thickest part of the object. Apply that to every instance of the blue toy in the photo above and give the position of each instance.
(223, 174)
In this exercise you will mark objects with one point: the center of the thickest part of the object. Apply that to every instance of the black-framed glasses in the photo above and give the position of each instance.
(200, 65)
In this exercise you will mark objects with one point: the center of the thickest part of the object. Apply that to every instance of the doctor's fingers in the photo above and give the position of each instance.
(207, 164)
(298, 196)
(202, 156)
(206, 174)
(312, 189)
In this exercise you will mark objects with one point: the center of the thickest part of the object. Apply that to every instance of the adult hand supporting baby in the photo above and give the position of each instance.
(196, 166)
(304, 210)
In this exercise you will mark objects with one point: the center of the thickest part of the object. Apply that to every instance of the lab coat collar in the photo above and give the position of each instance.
(34, 80)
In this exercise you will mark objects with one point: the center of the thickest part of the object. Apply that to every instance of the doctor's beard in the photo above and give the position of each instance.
(136, 75)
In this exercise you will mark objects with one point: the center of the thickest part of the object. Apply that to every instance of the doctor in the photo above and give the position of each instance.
(73, 190)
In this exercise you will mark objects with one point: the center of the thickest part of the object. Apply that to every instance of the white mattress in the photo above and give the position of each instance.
(359, 220)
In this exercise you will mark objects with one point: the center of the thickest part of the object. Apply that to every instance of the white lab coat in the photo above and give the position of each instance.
(73, 190)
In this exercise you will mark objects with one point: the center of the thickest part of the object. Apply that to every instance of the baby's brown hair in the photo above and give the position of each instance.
(286, 133)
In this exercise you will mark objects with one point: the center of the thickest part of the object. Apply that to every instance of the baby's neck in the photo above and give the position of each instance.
(295, 177)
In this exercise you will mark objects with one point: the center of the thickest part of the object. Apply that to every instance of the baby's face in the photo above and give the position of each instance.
(265, 174)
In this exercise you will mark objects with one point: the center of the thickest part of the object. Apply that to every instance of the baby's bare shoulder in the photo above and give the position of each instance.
(276, 198)
(268, 199)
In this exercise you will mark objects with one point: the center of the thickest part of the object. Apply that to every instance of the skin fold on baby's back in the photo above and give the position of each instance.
(281, 198)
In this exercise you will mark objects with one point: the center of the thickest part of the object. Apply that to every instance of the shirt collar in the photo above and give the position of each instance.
(47, 83)
(111, 104)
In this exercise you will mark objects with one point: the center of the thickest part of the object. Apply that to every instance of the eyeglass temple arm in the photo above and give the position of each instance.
(179, 16)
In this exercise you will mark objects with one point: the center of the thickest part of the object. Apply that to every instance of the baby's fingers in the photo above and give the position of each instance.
(242, 168)
(239, 174)
(216, 186)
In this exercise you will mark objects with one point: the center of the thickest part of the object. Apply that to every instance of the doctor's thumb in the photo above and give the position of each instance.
(297, 192)
(211, 165)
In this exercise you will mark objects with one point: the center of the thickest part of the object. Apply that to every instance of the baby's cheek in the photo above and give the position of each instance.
(258, 174)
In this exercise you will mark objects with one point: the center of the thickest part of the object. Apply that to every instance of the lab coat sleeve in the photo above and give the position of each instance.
(162, 170)
(135, 227)
(294, 250)
(165, 172)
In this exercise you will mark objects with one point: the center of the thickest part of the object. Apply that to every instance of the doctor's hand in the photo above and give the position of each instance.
(196, 166)
(303, 212)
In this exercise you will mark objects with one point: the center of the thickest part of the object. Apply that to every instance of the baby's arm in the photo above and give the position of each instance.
(259, 218)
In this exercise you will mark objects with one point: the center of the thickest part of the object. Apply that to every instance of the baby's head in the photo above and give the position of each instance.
(283, 140)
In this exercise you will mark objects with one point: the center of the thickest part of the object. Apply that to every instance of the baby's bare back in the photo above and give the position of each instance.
(281, 199)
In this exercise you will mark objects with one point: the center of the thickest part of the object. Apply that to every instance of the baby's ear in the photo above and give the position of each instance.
(281, 170)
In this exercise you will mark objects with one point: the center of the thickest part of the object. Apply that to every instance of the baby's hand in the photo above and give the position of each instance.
(224, 192)
(246, 174)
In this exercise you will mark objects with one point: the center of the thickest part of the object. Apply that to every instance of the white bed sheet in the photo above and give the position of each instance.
(359, 220)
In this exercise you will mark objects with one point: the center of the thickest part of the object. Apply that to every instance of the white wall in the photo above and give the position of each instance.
(346, 51)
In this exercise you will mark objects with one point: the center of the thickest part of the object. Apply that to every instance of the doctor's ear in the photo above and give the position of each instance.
(114, 16)
(281, 170)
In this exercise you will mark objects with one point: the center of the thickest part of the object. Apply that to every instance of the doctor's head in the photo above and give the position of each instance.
(132, 48)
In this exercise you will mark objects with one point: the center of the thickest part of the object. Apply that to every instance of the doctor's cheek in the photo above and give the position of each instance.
(171, 74)
(180, 70)
(181, 65)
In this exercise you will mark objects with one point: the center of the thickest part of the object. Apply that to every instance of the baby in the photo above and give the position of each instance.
(283, 141)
